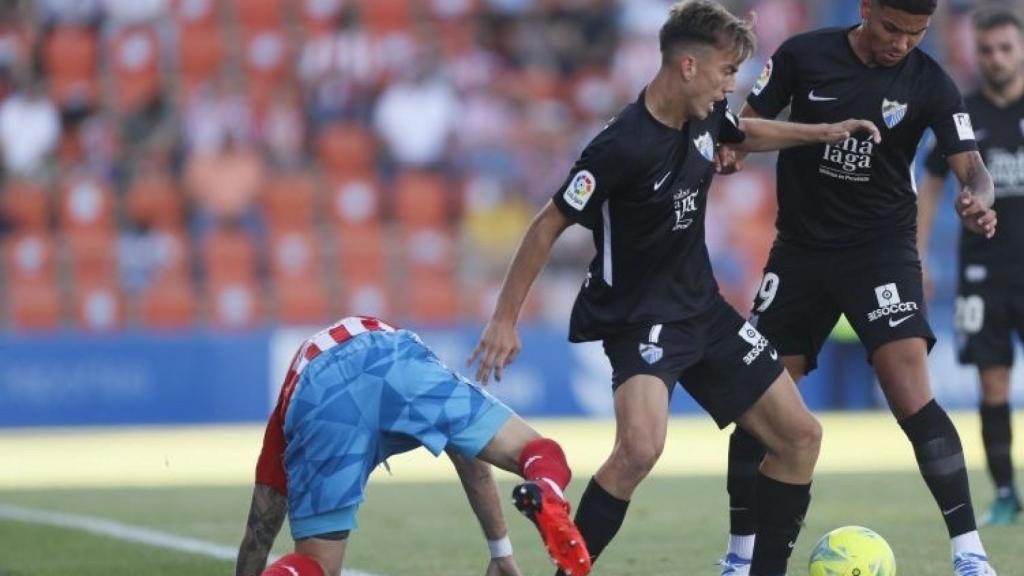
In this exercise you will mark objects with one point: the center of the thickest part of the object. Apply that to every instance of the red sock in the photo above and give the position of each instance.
(543, 458)
(294, 565)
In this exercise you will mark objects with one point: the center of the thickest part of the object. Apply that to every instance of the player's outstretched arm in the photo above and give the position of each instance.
(764, 135)
(729, 160)
(482, 492)
(977, 193)
(266, 515)
(499, 344)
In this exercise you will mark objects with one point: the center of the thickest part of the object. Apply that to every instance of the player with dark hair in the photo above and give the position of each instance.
(990, 302)
(846, 240)
(361, 391)
(641, 187)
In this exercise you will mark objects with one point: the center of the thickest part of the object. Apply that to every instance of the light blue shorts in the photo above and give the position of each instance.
(379, 394)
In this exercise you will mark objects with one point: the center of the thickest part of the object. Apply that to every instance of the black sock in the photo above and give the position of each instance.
(940, 457)
(781, 509)
(745, 456)
(998, 438)
(599, 517)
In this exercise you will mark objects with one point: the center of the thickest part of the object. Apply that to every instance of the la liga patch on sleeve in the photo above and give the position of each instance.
(580, 189)
(964, 129)
(763, 79)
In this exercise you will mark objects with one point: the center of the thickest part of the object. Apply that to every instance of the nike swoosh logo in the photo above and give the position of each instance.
(774, 354)
(791, 544)
(953, 509)
(662, 181)
(531, 460)
(815, 98)
(894, 322)
(292, 571)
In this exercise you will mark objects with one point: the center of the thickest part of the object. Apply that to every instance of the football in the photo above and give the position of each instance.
(852, 551)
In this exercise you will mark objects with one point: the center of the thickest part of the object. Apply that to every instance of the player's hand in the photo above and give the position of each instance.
(498, 347)
(841, 131)
(505, 566)
(975, 216)
(727, 161)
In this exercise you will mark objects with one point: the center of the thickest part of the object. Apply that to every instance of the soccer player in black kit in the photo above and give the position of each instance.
(846, 240)
(990, 302)
(641, 187)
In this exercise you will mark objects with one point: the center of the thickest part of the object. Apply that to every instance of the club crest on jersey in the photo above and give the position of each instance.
(893, 112)
(651, 353)
(580, 189)
(705, 145)
(763, 79)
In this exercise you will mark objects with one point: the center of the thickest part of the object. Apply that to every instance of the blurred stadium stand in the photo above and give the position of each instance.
(243, 165)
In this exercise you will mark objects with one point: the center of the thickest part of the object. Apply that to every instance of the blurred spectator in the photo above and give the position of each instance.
(224, 185)
(415, 116)
(126, 12)
(338, 71)
(70, 12)
(29, 129)
(215, 113)
(282, 129)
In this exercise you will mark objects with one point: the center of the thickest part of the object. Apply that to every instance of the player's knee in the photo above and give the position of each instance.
(640, 454)
(802, 441)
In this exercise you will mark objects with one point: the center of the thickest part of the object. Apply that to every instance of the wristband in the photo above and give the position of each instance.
(501, 547)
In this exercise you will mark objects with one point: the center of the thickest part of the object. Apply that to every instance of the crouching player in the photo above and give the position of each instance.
(361, 391)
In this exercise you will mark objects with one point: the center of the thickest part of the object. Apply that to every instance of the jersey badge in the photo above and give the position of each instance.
(963, 126)
(580, 189)
(893, 112)
(706, 146)
(763, 79)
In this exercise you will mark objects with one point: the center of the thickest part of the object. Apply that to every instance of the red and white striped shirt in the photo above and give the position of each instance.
(270, 466)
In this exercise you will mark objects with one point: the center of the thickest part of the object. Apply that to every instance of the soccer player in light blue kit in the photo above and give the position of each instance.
(361, 391)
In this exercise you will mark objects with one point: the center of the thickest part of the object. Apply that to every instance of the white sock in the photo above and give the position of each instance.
(969, 542)
(742, 546)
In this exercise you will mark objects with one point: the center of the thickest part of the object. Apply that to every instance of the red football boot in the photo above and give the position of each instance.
(550, 513)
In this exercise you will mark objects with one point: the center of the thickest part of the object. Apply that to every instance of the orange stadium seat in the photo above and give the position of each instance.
(168, 303)
(233, 303)
(25, 205)
(135, 60)
(70, 58)
(383, 16)
(98, 305)
(156, 202)
(33, 305)
(200, 57)
(196, 13)
(432, 298)
(289, 201)
(92, 255)
(301, 302)
(30, 256)
(295, 256)
(346, 150)
(86, 203)
(259, 14)
(361, 255)
(266, 55)
(174, 256)
(421, 199)
(429, 250)
(354, 202)
(229, 255)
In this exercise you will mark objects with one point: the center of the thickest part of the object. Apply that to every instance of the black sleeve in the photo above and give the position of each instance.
(730, 132)
(775, 86)
(935, 163)
(593, 178)
(949, 118)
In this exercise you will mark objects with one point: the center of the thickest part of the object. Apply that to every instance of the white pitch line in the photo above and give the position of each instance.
(129, 533)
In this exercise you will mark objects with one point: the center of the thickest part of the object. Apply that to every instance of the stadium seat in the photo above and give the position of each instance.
(33, 305)
(432, 298)
(295, 256)
(30, 256)
(91, 256)
(429, 249)
(25, 205)
(98, 305)
(421, 200)
(229, 255)
(200, 57)
(346, 150)
(319, 16)
(361, 255)
(301, 302)
(172, 252)
(233, 303)
(354, 202)
(260, 14)
(266, 56)
(70, 59)
(86, 203)
(386, 16)
(168, 303)
(155, 201)
(289, 201)
(196, 13)
(135, 61)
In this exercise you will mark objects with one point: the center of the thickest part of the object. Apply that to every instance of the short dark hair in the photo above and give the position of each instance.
(919, 7)
(996, 17)
(706, 23)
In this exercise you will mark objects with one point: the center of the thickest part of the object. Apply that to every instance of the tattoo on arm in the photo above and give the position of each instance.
(973, 175)
(266, 515)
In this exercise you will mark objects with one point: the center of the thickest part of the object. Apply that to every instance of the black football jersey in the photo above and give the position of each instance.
(1000, 136)
(641, 187)
(856, 191)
